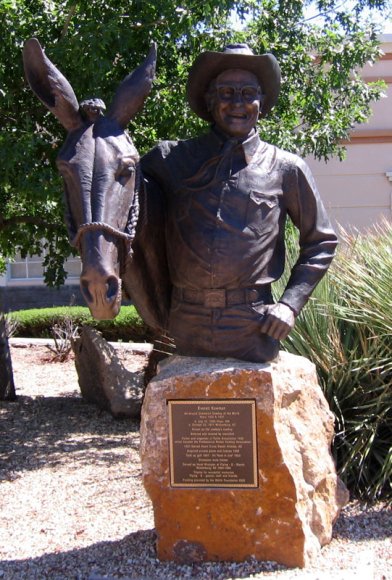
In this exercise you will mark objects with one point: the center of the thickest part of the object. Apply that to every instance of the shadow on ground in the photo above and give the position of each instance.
(51, 430)
(372, 523)
(134, 557)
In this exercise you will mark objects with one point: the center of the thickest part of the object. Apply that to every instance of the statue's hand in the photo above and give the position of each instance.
(278, 321)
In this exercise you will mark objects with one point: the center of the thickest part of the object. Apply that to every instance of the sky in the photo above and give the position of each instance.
(377, 17)
(386, 28)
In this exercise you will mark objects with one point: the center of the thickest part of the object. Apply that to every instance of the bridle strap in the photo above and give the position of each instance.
(134, 213)
(96, 226)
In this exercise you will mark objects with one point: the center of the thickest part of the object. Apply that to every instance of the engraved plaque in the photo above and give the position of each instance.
(213, 443)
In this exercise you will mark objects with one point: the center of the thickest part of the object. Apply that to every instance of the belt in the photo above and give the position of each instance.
(221, 297)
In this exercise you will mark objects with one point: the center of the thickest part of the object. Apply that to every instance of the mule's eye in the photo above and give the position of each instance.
(125, 171)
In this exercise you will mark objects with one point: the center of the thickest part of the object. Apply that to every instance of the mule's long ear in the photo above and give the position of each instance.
(50, 86)
(133, 91)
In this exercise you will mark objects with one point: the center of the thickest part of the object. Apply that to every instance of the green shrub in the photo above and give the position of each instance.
(346, 330)
(38, 323)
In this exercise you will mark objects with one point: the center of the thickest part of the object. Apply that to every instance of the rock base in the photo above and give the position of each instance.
(103, 379)
(289, 515)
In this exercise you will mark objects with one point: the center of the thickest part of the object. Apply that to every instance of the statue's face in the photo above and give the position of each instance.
(234, 102)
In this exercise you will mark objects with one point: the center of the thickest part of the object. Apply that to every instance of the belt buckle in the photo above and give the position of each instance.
(215, 298)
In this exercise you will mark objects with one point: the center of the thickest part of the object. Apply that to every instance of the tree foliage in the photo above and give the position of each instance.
(96, 43)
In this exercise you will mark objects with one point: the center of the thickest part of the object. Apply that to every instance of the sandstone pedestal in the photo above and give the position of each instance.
(286, 514)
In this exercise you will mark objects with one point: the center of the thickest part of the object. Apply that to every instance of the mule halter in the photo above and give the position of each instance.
(96, 226)
(104, 227)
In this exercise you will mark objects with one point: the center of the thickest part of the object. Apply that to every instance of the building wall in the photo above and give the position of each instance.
(357, 191)
(22, 286)
(38, 296)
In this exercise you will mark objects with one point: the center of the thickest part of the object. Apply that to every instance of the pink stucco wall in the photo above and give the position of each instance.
(357, 191)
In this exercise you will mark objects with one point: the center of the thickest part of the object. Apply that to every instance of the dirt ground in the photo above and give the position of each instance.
(37, 372)
(73, 504)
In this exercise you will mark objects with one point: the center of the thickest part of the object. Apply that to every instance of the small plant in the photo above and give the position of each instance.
(64, 334)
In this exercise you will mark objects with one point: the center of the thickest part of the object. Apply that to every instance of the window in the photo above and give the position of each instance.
(30, 268)
(24, 268)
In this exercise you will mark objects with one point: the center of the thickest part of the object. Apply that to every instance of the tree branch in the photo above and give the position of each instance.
(322, 14)
(34, 220)
(68, 21)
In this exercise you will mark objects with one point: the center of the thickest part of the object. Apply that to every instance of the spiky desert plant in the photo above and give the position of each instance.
(346, 330)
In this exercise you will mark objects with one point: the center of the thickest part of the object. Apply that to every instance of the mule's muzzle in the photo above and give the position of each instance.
(102, 296)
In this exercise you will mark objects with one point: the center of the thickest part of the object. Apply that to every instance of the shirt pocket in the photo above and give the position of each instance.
(263, 211)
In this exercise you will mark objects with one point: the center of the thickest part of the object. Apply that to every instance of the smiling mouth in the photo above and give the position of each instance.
(240, 116)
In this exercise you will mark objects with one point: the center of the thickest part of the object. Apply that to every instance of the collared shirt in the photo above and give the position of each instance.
(227, 202)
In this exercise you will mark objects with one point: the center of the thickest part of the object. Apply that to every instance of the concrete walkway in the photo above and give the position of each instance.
(137, 347)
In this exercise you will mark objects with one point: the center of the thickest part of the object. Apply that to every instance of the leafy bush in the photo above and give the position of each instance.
(39, 322)
(346, 330)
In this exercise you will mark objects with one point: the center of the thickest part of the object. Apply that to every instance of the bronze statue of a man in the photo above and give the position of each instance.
(227, 195)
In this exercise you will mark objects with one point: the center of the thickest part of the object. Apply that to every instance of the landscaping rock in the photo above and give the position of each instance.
(103, 379)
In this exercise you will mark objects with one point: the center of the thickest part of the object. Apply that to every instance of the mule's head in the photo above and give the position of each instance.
(99, 165)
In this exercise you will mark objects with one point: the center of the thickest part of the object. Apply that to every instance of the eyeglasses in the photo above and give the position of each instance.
(248, 94)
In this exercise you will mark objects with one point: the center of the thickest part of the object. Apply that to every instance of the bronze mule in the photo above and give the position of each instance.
(105, 198)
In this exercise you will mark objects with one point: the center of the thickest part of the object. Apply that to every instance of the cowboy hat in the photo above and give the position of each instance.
(208, 65)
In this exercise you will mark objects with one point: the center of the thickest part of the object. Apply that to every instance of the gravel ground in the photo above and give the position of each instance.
(73, 505)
